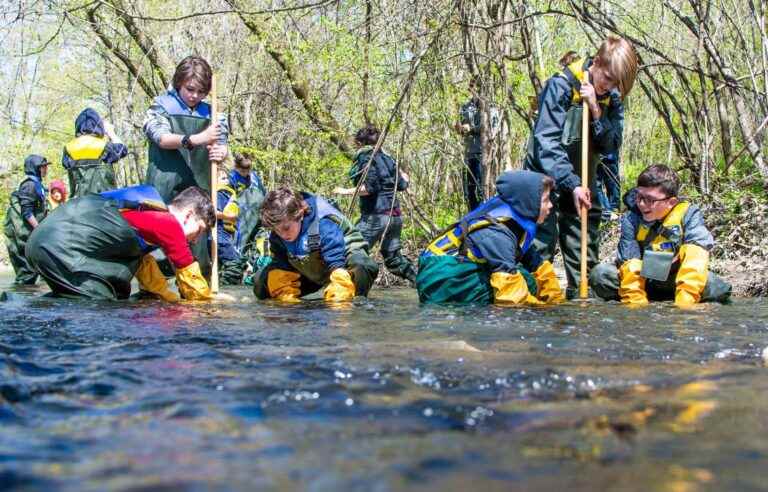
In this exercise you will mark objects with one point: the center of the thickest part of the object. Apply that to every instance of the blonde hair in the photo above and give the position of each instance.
(617, 56)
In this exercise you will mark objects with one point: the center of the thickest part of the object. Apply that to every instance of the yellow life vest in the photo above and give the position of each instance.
(231, 208)
(668, 237)
(86, 149)
(576, 75)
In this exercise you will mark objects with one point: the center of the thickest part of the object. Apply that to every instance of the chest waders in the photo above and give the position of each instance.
(172, 171)
(249, 200)
(17, 232)
(86, 249)
(450, 271)
(312, 265)
(87, 172)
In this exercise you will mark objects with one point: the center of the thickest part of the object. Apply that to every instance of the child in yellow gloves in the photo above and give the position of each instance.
(663, 250)
(486, 257)
(314, 246)
(96, 244)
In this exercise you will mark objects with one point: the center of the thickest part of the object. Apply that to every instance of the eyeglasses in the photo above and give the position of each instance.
(648, 200)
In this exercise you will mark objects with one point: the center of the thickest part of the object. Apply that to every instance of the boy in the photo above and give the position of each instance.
(94, 245)
(250, 196)
(486, 256)
(28, 206)
(380, 215)
(555, 146)
(664, 248)
(182, 140)
(230, 262)
(90, 156)
(314, 246)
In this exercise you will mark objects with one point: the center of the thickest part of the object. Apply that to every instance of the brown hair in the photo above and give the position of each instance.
(367, 135)
(241, 158)
(196, 68)
(281, 204)
(617, 56)
(547, 184)
(200, 203)
(568, 58)
(662, 176)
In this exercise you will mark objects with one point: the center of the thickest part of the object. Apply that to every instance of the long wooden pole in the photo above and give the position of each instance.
(583, 211)
(214, 186)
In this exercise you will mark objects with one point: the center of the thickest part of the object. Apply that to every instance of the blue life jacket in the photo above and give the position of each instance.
(493, 211)
(140, 197)
(175, 105)
(309, 237)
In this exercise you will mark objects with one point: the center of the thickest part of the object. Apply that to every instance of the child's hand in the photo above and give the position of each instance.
(217, 152)
(582, 198)
(209, 136)
(588, 94)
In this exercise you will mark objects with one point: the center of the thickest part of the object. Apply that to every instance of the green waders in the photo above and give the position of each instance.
(563, 226)
(93, 176)
(604, 281)
(173, 171)
(452, 279)
(17, 232)
(86, 249)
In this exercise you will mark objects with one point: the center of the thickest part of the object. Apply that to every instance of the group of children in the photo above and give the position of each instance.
(500, 252)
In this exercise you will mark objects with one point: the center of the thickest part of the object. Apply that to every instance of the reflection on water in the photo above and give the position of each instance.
(380, 395)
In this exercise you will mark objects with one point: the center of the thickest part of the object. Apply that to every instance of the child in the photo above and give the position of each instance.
(664, 248)
(250, 196)
(28, 206)
(94, 245)
(313, 247)
(230, 262)
(182, 140)
(486, 256)
(57, 193)
(90, 156)
(555, 145)
(380, 218)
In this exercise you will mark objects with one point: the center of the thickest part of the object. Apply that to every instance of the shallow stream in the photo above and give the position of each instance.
(381, 395)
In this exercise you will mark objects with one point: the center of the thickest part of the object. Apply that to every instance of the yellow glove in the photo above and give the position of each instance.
(547, 283)
(341, 287)
(511, 288)
(192, 284)
(692, 275)
(631, 284)
(284, 285)
(152, 279)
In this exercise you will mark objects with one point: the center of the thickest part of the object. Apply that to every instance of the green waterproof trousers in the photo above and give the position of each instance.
(604, 281)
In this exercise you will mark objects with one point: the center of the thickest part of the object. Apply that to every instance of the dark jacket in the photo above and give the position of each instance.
(469, 114)
(694, 230)
(382, 181)
(549, 154)
(31, 192)
(500, 243)
(89, 122)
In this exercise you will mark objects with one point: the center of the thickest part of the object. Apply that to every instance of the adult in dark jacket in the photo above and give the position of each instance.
(380, 215)
(28, 206)
(89, 158)
(555, 146)
(470, 125)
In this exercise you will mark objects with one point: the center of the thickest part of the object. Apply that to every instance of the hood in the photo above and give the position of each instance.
(630, 200)
(522, 191)
(32, 165)
(58, 184)
(89, 122)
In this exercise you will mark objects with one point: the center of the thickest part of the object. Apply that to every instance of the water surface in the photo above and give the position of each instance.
(380, 395)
